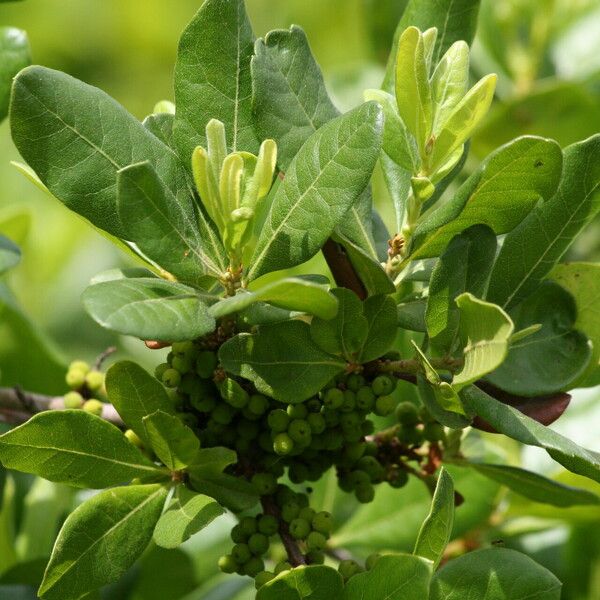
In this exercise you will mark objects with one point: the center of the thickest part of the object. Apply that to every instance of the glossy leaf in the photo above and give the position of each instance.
(531, 250)
(494, 574)
(136, 394)
(381, 314)
(10, 255)
(282, 360)
(292, 293)
(187, 514)
(514, 424)
(289, 95)
(101, 539)
(73, 447)
(14, 56)
(55, 126)
(525, 371)
(437, 527)
(347, 332)
(213, 80)
(323, 181)
(529, 166)
(394, 577)
(173, 442)
(304, 583)
(484, 331)
(150, 309)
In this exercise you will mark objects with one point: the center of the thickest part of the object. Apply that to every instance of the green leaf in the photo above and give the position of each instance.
(531, 250)
(212, 78)
(73, 447)
(167, 229)
(437, 527)
(437, 405)
(282, 360)
(101, 539)
(347, 332)
(161, 125)
(14, 56)
(323, 181)
(289, 96)
(174, 443)
(382, 318)
(315, 582)
(525, 371)
(10, 255)
(394, 577)
(455, 20)
(187, 514)
(465, 266)
(516, 425)
(536, 487)
(292, 293)
(494, 574)
(150, 309)
(582, 281)
(358, 225)
(76, 138)
(529, 166)
(135, 394)
(484, 331)
(411, 315)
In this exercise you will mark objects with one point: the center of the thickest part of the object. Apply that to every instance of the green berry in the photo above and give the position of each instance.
(223, 414)
(354, 451)
(371, 560)
(383, 385)
(283, 444)
(206, 363)
(73, 400)
(297, 411)
(299, 528)
(313, 405)
(406, 413)
(307, 514)
(268, 525)
(278, 420)
(264, 483)
(334, 398)
(358, 478)
(238, 536)
(314, 557)
(253, 567)
(75, 378)
(384, 405)
(241, 553)
(355, 382)
(300, 432)
(349, 401)
(349, 568)
(171, 378)
(79, 365)
(332, 417)
(233, 393)
(350, 420)
(248, 526)
(365, 493)
(94, 380)
(372, 467)
(182, 364)
(298, 473)
(316, 541)
(160, 369)
(133, 437)
(434, 432)
(365, 399)
(323, 522)
(317, 424)
(398, 478)
(258, 544)
(258, 404)
(93, 407)
(410, 436)
(202, 403)
(228, 564)
(182, 348)
(261, 578)
(281, 567)
(290, 510)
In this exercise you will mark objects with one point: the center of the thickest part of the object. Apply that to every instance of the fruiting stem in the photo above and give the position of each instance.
(295, 556)
(412, 366)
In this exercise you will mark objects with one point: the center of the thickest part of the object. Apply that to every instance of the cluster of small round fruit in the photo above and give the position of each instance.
(86, 388)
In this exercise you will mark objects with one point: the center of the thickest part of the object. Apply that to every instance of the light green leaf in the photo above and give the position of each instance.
(529, 166)
(212, 78)
(382, 318)
(531, 250)
(10, 255)
(135, 394)
(582, 281)
(494, 574)
(536, 487)
(525, 371)
(289, 96)
(465, 266)
(323, 181)
(438, 405)
(315, 582)
(514, 424)
(282, 360)
(174, 443)
(14, 56)
(437, 527)
(347, 332)
(484, 331)
(292, 293)
(394, 577)
(168, 230)
(55, 126)
(101, 539)
(187, 514)
(150, 309)
(74, 447)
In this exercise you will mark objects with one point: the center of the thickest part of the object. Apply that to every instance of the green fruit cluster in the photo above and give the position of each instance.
(86, 388)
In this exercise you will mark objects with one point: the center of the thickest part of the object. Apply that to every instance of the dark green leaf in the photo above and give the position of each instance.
(282, 360)
(382, 318)
(212, 78)
(494, 574)
(150, 309)
(14, 56)
(304, 583)
(73, 447)
(9, 254)
(289, 95)
(101, 539)
(136, 394)
(526, 372)
(437, 527)
(324, 180)
(187, 514)
(411, 315)
(357, 225)
(531, 250)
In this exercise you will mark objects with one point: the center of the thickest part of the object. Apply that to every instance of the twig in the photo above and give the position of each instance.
(100, 360)
(294, 553)
(412, 366)
(341, 268)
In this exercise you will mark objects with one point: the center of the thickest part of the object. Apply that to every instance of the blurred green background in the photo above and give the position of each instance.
(547, 55)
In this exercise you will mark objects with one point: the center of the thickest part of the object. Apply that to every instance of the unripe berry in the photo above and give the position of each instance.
(410, 436)
(355, 382)
(171, 378)
(313, 405)
(93, 407)
(316, 422)
(372, 467)
(94, 380)
(316, 541)
(268, 525)
(290, 510)
(352, 434)
(228, 564)
(206, 363)
(406, 413)
(281, 567)
(384, 405)
(79, 365)
(283, 444)
(258, 544)
(371, 448)
(160, 369)
(75, 378)
(315, 557)
(262, 578)
(334, 398)
(383, 385)
(203, 403)
(133, 437)
(434, 432)
(278, 420)
(248, 526)
(253, 567)
(264, 483)
(358, 478)
(307, 513)
(354, 451)
(182, 348)
(332, 417)
(299, 431)
(223, 414)
(349, 420)
(349, 401)
(299, 528)
(298, 473)
(323, 522)
(371, 560)
(258, 404)
(241, 553)
(73, 400)
(365, 398)
(297, 411)
(365, 493)
(238, 536)
(348, 568)
(182, 364)
(398, 478)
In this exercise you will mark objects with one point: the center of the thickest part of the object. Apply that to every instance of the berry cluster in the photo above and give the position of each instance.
(87, 388)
